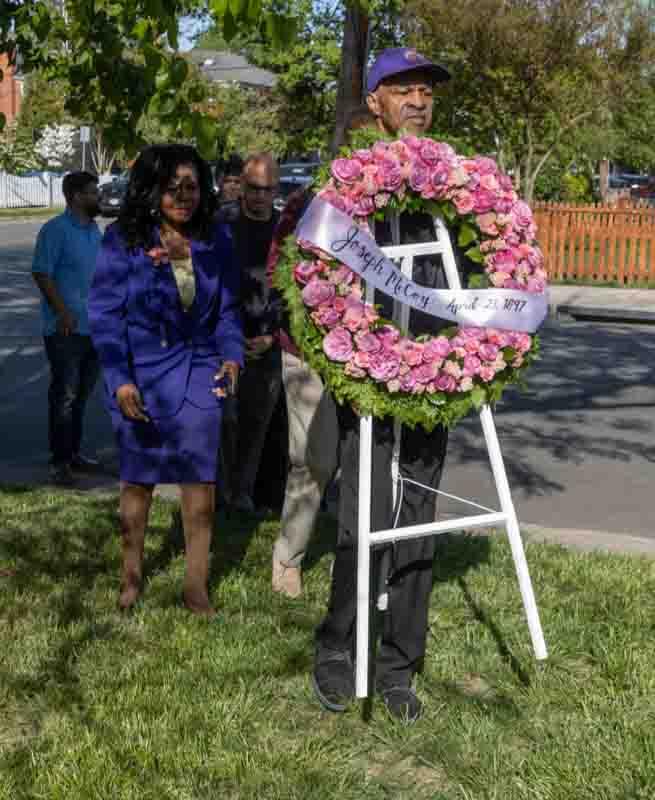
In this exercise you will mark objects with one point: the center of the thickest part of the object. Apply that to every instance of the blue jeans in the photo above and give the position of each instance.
(74, 370)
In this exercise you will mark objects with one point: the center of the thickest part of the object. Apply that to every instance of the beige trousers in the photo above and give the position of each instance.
(313, 443)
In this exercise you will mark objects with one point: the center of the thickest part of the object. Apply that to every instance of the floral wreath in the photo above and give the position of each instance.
(364, 359)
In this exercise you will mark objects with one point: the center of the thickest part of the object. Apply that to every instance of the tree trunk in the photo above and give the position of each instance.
(354, 55)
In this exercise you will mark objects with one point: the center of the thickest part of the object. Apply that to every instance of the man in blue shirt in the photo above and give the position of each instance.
(63, 266)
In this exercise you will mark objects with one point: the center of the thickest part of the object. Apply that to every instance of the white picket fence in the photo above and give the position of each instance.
(33, 191)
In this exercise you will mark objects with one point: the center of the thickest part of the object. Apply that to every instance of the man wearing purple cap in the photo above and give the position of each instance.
(400, 96)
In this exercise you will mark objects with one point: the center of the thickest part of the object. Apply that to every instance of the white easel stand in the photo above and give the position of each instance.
(506, 516)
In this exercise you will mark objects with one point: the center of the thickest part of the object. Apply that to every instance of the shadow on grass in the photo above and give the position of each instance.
(455, 556)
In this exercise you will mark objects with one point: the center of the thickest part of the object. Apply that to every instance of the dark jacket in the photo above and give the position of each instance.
(260, 309)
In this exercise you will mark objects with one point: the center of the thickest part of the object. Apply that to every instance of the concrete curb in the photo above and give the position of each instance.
(603, 313)
(590, 541)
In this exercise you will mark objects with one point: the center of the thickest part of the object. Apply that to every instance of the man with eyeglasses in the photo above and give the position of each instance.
(247, 421)
(63, 266)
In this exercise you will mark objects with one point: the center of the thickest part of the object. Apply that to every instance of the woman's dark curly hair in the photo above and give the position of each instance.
(150, 176)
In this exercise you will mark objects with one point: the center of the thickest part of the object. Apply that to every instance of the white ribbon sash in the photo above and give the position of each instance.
(335, 233)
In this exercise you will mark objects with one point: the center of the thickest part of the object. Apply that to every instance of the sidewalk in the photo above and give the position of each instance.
(600, 303)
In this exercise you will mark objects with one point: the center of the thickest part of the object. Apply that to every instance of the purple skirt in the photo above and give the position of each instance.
(178, 449)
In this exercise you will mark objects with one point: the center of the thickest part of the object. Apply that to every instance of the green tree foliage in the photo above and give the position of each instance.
(16, 150)
(300, 109)
(528, 75)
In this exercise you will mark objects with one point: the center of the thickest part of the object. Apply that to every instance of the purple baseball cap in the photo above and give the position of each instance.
(396, 60)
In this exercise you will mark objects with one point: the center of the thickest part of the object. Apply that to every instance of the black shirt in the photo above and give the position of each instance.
(252, 241)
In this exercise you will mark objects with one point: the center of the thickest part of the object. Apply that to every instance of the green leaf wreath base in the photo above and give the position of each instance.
(367, 395)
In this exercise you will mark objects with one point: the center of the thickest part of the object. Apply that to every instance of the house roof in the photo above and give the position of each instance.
(223, 67)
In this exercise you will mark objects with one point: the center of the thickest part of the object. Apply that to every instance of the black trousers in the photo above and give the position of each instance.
(246, 422)
(404, 630)
(74, 370)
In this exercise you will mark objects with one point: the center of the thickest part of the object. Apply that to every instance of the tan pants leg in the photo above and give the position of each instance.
(313, 442)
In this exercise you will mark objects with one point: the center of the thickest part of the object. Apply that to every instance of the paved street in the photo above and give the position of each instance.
(579, 446)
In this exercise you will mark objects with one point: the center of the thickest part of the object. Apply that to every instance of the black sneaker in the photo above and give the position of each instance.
(80, 463)
(333, 679)
(61, 475)
(402, 703)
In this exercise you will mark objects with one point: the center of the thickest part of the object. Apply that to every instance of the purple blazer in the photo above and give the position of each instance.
(143, 335)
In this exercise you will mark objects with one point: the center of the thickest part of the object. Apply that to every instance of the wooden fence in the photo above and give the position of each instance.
(598, 243)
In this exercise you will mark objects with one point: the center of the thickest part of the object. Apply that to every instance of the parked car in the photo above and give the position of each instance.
(645, 189)
(112, 194)
(295, 175)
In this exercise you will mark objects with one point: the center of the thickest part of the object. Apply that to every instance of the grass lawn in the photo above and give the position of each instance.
(21, 213)
(161, 705)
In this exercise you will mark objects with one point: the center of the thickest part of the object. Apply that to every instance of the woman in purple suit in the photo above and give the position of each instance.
(163, 312)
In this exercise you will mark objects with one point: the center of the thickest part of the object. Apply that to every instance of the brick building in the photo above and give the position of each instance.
(11, 89)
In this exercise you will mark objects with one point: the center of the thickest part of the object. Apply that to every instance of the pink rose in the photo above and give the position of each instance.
(499, 279)
(393, 385)
(429, 151)
(465, 385)
(471, 366)
(517, 361)
(458, 177)
(368, 342)
(485, 165)
(483, 201)
(317, 292)
(523, 342)
(383, 365)
(471, 346)
(304, 271)
(369, 179)
(389, 175)
(346, 170)
(380, 151)
(436, 349)
(522, 214)
(361, 359)
(413, 353)
(487, 373)
(364, 207)
(446, 383)
(439, 179)
(338, 345)
(400, 150)
(464, 202)
(388, 335)
(339, 201)
(412, 142)
(363, 156)
(339, 304)
(419, 178)
(341, 275)
(490, 183)
(452, 368)
(487, 223)
(488, 351)
(426, 373)
(354, 317)
(407, 382)
(353, 371)
(504, 261)
(326, 315)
